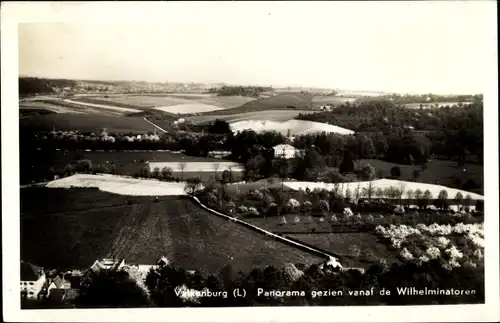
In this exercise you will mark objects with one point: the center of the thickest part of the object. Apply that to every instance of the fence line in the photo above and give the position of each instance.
(288, 241)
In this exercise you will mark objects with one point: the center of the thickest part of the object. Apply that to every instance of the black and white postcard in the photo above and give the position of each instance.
(250, 161)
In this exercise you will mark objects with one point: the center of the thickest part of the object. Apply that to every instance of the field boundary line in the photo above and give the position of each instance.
(285, 240)
(165, 131)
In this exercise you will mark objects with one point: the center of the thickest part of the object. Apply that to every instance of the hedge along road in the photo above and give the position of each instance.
(331, 259)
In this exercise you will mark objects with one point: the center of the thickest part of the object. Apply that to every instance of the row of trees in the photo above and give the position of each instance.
(322, 203)
(114, 289)
(251, 91)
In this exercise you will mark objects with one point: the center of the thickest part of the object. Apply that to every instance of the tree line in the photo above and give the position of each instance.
(250, 91)
(34, 85)
(454, 132)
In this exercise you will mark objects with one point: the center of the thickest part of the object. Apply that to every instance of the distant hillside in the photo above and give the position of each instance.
(294, 101)
(34, 85)
(248, 91)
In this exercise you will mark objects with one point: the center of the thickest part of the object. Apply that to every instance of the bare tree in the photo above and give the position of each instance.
(182, 166)
(216, 167)
(401, 191)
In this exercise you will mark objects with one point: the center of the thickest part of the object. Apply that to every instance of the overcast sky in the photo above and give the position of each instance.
(398, 47)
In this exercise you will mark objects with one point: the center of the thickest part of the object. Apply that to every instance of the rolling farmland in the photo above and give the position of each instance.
(86, 123)
(142, 233)
(189, 108)
(270, 115)
(288, 101)
(168, 100)
(120, 185)
(295, 127)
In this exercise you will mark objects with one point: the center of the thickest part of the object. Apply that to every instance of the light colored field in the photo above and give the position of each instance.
(102, 106)
(148, 101)
(120, 185)
(295, 127)
(272, 115)
(197, 166)
(189, 108)
(383, 183)
(177, 228)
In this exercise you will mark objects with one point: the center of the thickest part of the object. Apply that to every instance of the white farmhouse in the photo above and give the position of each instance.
(285, 151)
(32, 280)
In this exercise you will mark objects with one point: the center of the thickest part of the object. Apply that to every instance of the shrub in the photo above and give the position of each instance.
(231, 206)
(253, 211)
(166, 172)
(323, 206)
(347, 212)
(399, 210)
(256, 195)
(395, 172)
(293, 204)
(211, 198)
(84, 165)
(405, 254)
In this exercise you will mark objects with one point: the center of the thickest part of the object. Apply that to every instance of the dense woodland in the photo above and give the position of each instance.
(34, 85)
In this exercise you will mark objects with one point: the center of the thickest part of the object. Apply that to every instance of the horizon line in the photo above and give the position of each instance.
(278, 86)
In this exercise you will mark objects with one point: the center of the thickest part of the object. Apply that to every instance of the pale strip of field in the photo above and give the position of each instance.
(194, 95)
(295, 127)
(120, 185)
(102, 106)
(273, 115)
(197, 166)
(383, 183)
(331, 99)
(226, 102)
(172, 99)
(189, 108)
(144, 100)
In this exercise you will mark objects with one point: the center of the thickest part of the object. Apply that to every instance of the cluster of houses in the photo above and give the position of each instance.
(62, 288)
(37, 284)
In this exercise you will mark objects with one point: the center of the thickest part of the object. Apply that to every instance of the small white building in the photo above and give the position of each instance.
(285, 151)
(32, 280)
